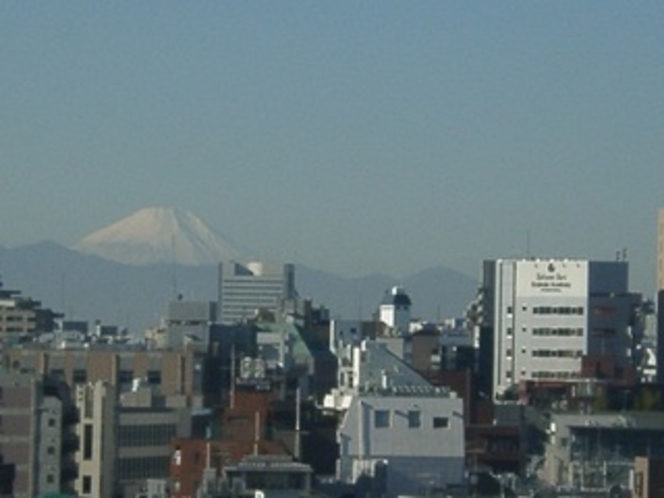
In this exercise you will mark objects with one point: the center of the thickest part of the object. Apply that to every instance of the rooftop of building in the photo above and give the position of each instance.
(269, 463)
(624, 420)
(396, 296)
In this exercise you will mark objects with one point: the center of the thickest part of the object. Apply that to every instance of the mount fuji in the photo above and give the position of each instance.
(160, 236)
(126, 273)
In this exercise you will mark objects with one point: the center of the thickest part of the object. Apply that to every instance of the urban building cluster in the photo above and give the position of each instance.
(547, 386)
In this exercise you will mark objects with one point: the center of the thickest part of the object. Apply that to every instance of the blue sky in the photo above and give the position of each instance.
(356, 137)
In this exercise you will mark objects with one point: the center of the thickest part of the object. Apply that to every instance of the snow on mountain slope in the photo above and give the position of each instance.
(159, 235)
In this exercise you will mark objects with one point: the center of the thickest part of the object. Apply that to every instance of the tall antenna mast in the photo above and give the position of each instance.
(174, 268)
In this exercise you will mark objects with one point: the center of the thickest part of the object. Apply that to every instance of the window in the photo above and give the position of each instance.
(125, 376)
(441, 422)
(58, 373)
(381, 419)
(414, 419)
(80, 376)
(154, 377)
(87, 485)
(87, 442)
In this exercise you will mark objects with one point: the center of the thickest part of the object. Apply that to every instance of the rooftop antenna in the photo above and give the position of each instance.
(62, 292)
(528, 255)
(174, 268)
(298, 407)
(232, 386)
(257, 422)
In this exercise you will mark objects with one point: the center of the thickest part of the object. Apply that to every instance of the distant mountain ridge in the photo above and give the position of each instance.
(88, 287)
(160, 236)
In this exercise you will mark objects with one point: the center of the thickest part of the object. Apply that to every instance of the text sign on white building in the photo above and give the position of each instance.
(552, 278)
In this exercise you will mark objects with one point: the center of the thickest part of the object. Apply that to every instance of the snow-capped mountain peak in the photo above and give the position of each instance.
(159, 235)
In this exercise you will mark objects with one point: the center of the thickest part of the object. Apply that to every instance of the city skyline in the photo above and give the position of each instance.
(353, 138)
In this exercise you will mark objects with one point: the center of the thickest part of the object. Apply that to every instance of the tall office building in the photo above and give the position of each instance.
(659, 296)
(244, 290)
(540, 317)
(660, 250)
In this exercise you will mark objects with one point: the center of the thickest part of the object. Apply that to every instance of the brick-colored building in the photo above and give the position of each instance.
(245, 429)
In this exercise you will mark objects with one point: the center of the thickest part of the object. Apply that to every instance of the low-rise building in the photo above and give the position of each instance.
(173, 372)
(36, 433)
(125, 443)
(597, 451)
(397, 433)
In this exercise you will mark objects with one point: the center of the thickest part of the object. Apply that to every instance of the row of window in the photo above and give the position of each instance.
(558, 310)
(557, 353)
(13, 329)
(551, 310)
(146, 435)
(555, 375)
(383, 420)
(562, 331)
(549, 353)
(550, 331)
(80, 375)
(143, 468)
(546, 374)
(16, 318)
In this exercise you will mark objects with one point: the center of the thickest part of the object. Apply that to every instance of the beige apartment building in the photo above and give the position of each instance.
(173, 372)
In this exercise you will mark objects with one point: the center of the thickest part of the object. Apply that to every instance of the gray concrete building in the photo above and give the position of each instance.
(35, 437)
(245, 290)
(594, 452)
(125, 443)
(188, 322)
(398, 435)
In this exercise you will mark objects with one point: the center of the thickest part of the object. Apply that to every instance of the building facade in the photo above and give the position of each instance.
(188, 322)
(398, 434)
(540, 317)
(35, 436)
(660, 249)
(21, 318)
(96, 404)
(124, 443)
(173, 372)
(245, 290)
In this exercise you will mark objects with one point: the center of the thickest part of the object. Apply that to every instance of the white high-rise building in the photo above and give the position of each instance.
(540, 317)
(244, 290)
(660, 250)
